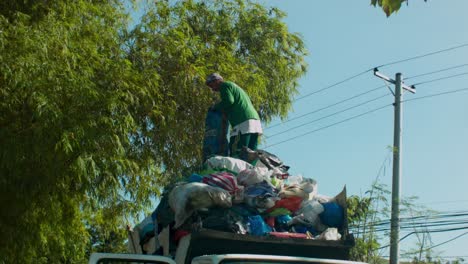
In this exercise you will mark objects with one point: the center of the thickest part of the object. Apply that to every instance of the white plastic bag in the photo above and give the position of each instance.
(187, 198)
(227, 163)
(330, 234)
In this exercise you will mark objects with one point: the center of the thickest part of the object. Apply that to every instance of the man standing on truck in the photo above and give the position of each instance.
(244, 119)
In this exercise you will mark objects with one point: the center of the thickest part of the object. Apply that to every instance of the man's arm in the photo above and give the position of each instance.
(227, 99)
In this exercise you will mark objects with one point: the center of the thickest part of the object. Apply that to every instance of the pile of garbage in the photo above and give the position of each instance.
(251, 196)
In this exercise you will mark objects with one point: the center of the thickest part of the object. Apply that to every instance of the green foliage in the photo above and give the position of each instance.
(70, 102)
(363, 212)
(96, 119)
(389, 6)
(366, 213)
(184, 42)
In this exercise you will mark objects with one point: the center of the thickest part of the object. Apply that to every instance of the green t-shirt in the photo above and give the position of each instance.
(236, 104)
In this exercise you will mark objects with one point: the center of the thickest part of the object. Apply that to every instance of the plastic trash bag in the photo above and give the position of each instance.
(332, 215)
(260, 202)
(294, 179)
(261, 189)
(311, 211)
(187, 198)
(224, 180)
(282, 223)
(163, 215)
(329, 234)
(301, 220)
(278, 211)
(261, 195)
(195, 178)
(222, 219)
(215, 141)
(257, 226)
(228, 182)
(304, 189)
(292, 203)
(252, 176)
(230, 164)
(270, 160)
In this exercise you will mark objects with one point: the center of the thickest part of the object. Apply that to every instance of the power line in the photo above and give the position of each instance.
(430, 231)
(366, 92)
(445, 242)
(450, 240)
(333, 85)
(437, 94)
(440, 215)
(372, 90)
(414, 226)
(330, 115)
(380, 66)
(441, 257)
(442, 78)
(342, 121)
(326, 107)
(444, 202)
(365, 113)
(424, 55)
(437, 71)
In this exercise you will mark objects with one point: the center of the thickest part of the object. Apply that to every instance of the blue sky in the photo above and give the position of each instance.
(346, 38)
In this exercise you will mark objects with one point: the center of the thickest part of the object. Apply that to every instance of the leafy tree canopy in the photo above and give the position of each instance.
(95, 119)
(389, 6)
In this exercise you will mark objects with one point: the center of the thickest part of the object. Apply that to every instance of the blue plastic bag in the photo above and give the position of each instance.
(332, 215)
(257, 225)
(216, 128)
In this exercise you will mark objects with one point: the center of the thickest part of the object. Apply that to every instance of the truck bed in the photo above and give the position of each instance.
(205, 242)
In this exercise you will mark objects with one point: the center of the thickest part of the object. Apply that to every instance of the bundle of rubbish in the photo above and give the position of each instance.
(255, 196)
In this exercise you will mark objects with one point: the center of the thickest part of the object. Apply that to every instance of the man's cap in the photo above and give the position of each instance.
(213, 77)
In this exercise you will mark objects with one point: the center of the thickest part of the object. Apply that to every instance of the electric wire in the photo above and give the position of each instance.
(436, 231)
(450, 240)
(434, 95)
(440, 215)
(425, 226)
(333, 85)
(365, 113)
(334, 124)
(384, 226)
(430, 221)
(375, 89)
(437, 71)
(445, 202)
(380, 66)
(442, 78)
(424, 55)
(441, 257)
(330, 115)
(326, 107)
(361, 73)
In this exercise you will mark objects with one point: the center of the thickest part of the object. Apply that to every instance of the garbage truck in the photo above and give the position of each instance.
(236, 212)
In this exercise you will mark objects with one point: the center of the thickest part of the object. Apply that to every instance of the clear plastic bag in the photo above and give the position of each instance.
(252, 176)
(310, 211)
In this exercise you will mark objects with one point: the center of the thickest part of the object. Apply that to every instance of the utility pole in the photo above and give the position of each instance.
(396, 176)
